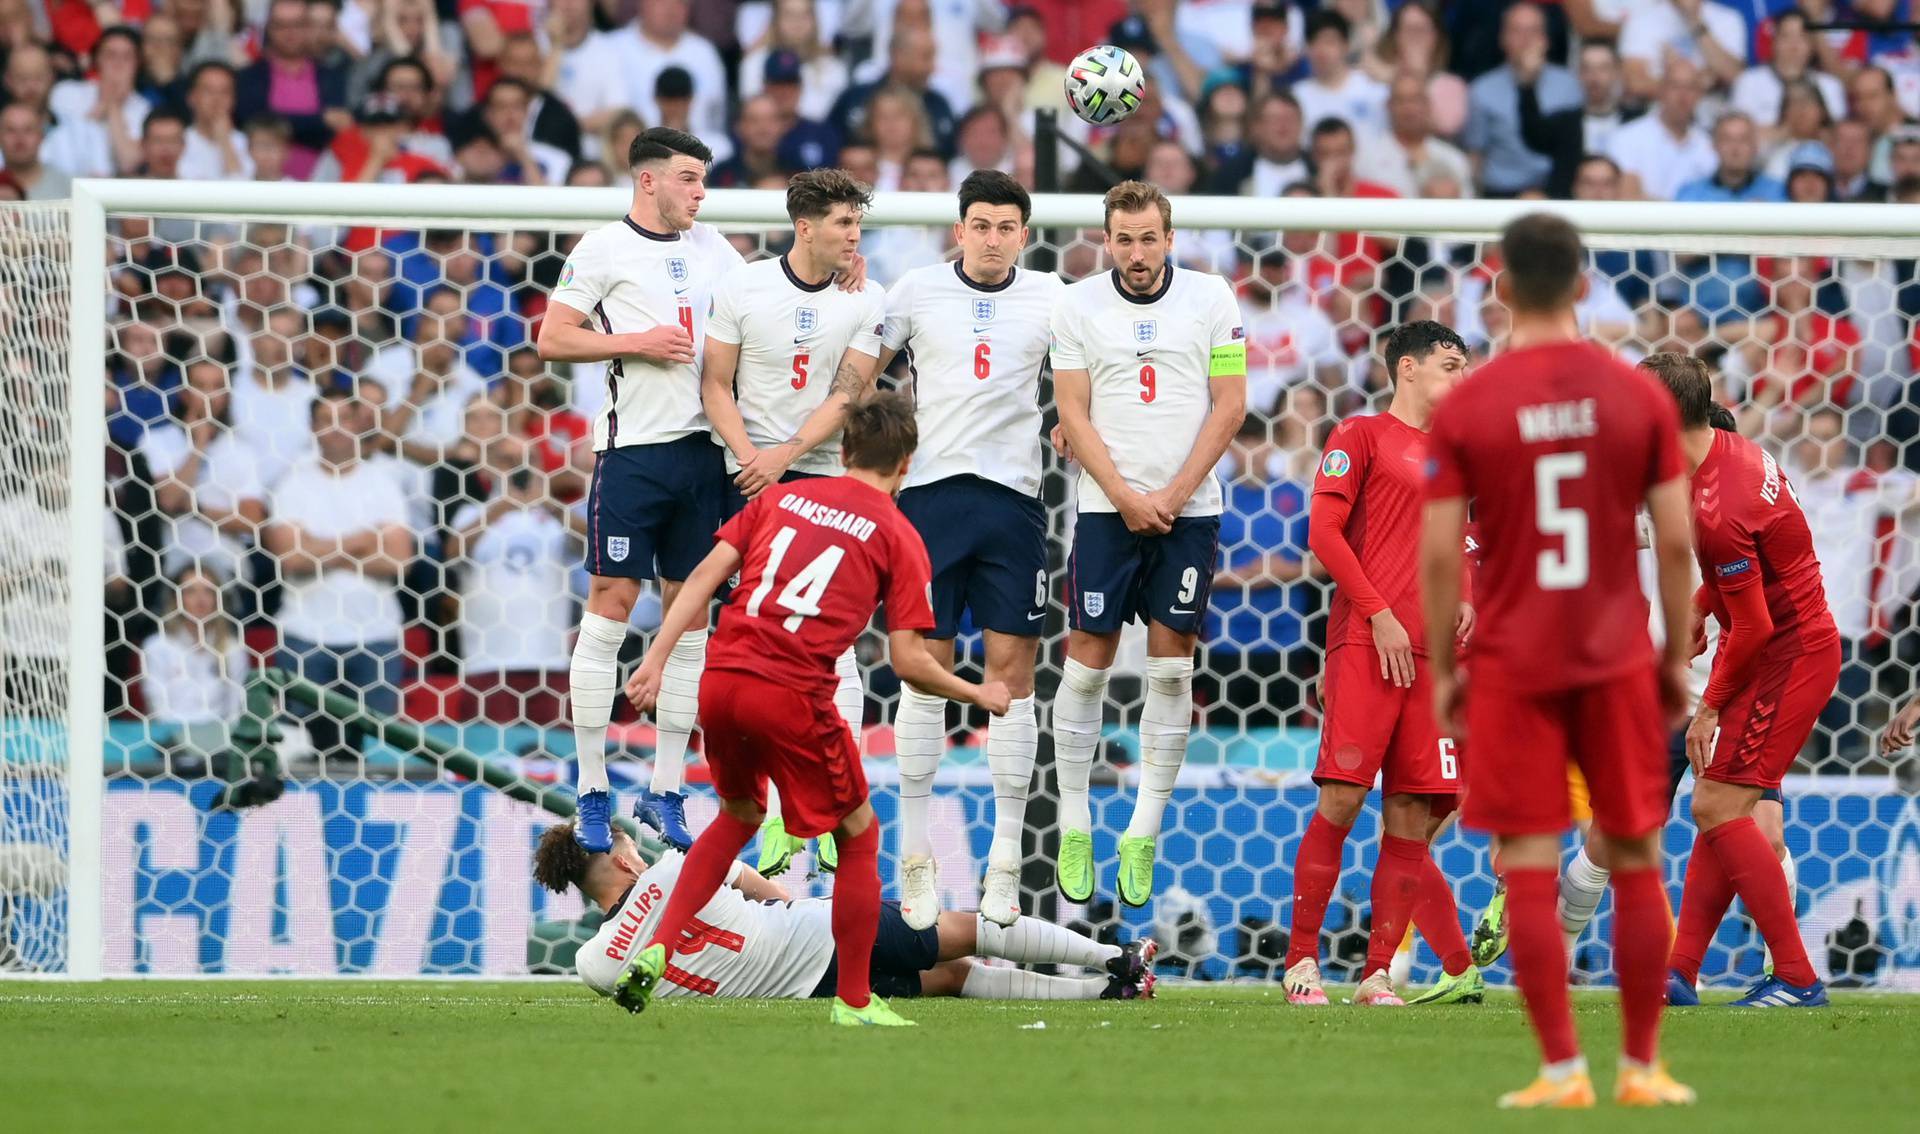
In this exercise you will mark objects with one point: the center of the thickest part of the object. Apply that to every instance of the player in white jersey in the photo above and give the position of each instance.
(1150, 374)
(785, 353)
(975, 333)
(752, 942)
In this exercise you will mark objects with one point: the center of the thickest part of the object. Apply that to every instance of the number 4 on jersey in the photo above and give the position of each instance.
(801, 596)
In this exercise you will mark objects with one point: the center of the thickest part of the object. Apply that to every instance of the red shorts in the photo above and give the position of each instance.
(1519, 745)
(1764, 725)
(1373, 726)
(758, 730)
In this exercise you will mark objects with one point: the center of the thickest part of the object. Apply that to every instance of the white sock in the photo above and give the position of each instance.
(1581, 887)
(1012, 741)
(1035, 941)
(1792, 870)
(919, 740)
(850, 697)
(773, 802)
(592, 680)
(1076, 739)
(996, 982)
(1165, 721)
(679, 706)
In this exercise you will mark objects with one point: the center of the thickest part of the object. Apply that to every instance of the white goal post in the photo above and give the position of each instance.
(1866, 231)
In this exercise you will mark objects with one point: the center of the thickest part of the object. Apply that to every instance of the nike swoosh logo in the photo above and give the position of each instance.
(1036, 617)
(799, 341)
(681, 290)
(1143, 353)
(1177, 610)
(981, 330)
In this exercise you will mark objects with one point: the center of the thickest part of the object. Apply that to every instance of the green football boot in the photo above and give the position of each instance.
(1490, 935)
(1467, 988)
(875, 1015)
(634, 990)
(1073, 871)
(777, 848)
(1136, 870)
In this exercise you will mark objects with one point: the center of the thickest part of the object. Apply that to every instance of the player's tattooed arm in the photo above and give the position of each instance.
(853, 379)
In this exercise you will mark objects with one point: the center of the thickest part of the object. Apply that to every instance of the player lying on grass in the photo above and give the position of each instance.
(815, 558)
(751, 942)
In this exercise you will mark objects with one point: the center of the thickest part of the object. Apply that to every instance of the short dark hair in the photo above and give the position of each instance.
(1328, 126)
(507, 82)
(205, 65)
(1688, 380)
(813, 194)
(1417, 340)
(1721, 418)
(162, 114)
(992, 187)
(1544, 259)
(880, 432)
(662, 142)
(403, 63)
(267, 122)
(1328, 19)
(560, 861)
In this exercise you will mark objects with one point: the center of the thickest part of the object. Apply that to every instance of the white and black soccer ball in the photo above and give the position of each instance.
(1104, 85)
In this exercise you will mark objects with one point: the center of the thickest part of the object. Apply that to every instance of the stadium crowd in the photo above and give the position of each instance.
(344, 438)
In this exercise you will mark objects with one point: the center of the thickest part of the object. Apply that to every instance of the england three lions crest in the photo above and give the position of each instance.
(982, 310)
(677, 268)
(1145, 330)
(805, 319)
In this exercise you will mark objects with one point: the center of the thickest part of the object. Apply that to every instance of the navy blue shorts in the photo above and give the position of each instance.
(1115, 576)
(988, 545)
(900, 954)
(652, 509)
(736, 500)
(1677, 769)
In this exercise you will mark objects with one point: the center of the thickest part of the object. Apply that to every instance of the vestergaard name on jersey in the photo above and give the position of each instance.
(814, 512)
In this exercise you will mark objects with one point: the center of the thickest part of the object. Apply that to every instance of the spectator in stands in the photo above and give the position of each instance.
(756, 136)
(145, 379)
(583, 70)
(269, 141)
(896, 127)
(1415, 44)
(22, 133)
(1258, 664)
(193, 672)
(1872, 103)
(1809, 174)
(1663, 149)
(1601, 112)
(339, 531)
(111, 98)
(487, 24)
(821, 75)
(507, 113)
(1274, 157)
(1506, 166)
(207, 29)
(1852, 147)
(1290, 341)
(910, 63)
(34, 541)
(659, 39)
(373, 148)
(1797, 352)
(77, 147)
(984, 141)
(272, 399)
(515, 554)
(215, 149)
(1711, 38)
(287, 81)
(429, 391)
(805, 143)
(206, 481)
(409, 88)
(1761, 90)
(163, 141)
(1406, 155)
(163, 70)
(549, 119)
(1333, 88)
(1803, 120)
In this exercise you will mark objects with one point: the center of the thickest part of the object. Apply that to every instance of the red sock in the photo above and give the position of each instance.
(856, 915)
(1756, 876)
(1540, 960)
(1437, 918)
(701, 876)
(1640, 927)
(1396, 881)
(1316, 871)
(1703, 905)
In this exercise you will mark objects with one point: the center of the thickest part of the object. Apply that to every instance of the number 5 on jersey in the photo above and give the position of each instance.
(800, 598)
(1568, 568)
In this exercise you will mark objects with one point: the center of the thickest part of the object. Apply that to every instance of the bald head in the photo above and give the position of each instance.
(29, 75)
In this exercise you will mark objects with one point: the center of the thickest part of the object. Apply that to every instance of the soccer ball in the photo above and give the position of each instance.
(1104, 85)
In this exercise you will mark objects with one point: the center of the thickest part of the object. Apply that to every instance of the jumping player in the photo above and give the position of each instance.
(1778, 663)
(1556, 444)
(786, 352)
(1150, 374)
(975, 333)
(815, 558)
(752, 942)
(1365, 527)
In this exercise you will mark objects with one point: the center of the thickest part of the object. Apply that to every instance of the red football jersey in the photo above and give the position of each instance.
(819, 556)
(1749, 530)
(1375, 463)
(1556, 446)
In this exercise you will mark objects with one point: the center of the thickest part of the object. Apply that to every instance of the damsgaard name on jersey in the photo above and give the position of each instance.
(836, 519)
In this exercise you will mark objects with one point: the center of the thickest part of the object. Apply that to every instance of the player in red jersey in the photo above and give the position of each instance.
(1365, 527)
(1778, 663)
(1556, 443)
(815, 558)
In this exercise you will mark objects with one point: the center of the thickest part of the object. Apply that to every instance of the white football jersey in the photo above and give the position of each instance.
(734, 948)
(629, 280)
(975, 353)
(791, 337)
(1701, 671)
(1148, 359)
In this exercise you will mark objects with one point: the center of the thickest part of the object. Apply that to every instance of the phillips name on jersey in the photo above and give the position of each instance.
(1148, 360)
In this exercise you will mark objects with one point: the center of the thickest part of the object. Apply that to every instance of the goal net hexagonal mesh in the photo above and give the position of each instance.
(242, 831)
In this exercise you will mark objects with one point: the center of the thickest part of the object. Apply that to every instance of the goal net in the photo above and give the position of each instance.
(166, 811)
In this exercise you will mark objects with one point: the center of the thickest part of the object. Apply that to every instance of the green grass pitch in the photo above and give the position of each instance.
(464, 1057)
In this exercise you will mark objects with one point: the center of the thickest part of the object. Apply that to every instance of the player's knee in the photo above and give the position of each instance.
(856, 823)
(1016, 677)
(744, 810)
(1170, 677)
(1405, 816)
(1712, 807)
(1340, 803)
(1640, 852)
(611, 597)
(1084, 680)
(946, 978)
